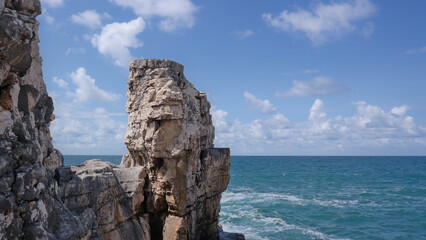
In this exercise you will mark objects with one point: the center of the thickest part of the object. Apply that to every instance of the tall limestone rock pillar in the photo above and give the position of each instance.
(170, 133)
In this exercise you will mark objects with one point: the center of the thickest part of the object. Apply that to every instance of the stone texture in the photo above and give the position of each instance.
(40, 199)
(168, 186)
(106, 198)
(30, 207)
(170, 133)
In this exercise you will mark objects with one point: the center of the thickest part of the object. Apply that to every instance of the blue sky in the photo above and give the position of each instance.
(296, 77)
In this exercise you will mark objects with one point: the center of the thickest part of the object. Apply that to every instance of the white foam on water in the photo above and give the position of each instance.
(256, 197)
(232, 197)
(335, 203)
(254, 225)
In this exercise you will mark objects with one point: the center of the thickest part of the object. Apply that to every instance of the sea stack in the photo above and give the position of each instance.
(170, 133)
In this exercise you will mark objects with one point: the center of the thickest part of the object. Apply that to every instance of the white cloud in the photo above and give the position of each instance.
(75, 51)
(52, 3)
(319, 86)
(87, 90)
(370, 130)
(60, 82)
(115, 40)
(175, 14)
(265, 106)
(417, 50)
(87, 131)
(402, 110)
(317, 111)
(219, 121)
(89, 18)
(323, 21)
(244, 33)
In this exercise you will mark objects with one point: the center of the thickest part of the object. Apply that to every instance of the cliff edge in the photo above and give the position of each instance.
(168, 186)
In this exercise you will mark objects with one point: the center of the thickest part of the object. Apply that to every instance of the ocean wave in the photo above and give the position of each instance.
(256, 197)
(256, 226)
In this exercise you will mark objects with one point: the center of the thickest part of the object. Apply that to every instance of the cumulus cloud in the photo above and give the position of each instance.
(89, 18)
(244, 33)
(323, 21)
(369, 128)
(317, 111)
(319, 86)
(417, 50)
(60, 82)
(174, 14)
(52, 3)
(87, 90)
(219, 119)
(265, 106)
(88, 131)
(401, 110)
(115, 40)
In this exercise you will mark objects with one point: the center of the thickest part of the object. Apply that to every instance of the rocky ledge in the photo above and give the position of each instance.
(168, 185)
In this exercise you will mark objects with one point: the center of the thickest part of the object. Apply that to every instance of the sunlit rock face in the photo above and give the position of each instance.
(169, 184)
(39, 198)
(170, 133)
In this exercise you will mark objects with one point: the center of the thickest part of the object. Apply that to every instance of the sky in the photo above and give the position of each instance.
(295, 77)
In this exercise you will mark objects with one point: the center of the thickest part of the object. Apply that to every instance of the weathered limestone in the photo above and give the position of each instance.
(39, 199)
(170, 133)
(168, 186)
(106, 198)
(29, 205)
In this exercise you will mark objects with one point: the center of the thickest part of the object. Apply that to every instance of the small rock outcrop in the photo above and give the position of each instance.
(106, 198)
(170, 133)
(168, 186)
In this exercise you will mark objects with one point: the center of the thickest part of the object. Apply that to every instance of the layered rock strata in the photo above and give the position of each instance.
(170, 133)
(169, 185)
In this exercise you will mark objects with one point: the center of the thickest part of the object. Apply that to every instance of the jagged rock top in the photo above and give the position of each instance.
(156, 63)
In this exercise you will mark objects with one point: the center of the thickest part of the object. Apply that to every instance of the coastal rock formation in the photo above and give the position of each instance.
(29, 205)
(40, 199)
(168, 186)
(170, 133)
(106, 198)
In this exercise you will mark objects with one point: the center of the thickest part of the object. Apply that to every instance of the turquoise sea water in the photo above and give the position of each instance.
(281, 198)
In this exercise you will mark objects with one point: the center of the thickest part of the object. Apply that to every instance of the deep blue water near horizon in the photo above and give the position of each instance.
(280, 198)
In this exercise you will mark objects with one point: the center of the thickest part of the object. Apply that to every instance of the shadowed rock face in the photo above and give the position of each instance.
(170, 133)
(29, 205)
(169, 184)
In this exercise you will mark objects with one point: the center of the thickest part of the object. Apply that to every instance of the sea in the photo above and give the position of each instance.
(312, 197)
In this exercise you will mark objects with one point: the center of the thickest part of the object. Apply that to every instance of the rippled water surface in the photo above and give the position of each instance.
(326, 198)
(280, 198)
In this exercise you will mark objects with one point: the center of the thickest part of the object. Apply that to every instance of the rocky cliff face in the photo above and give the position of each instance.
(170, 134)
(29, 204)
(168, 186)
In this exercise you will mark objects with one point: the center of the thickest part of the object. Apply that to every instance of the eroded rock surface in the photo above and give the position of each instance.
(106, 198)
(169, 184)
(29, 205)
(40, 199)
(170, 133)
